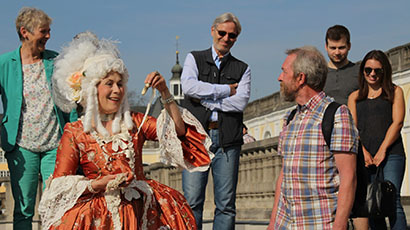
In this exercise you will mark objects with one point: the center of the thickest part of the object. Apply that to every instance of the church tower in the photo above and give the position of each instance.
(175, 81)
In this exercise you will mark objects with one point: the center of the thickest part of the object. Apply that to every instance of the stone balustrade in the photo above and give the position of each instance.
(258, 170)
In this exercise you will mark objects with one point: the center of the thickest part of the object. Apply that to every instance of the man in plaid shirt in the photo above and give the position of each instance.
(316, 186)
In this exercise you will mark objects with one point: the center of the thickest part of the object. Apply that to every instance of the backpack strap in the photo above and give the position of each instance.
(328, 121)
(291, 116)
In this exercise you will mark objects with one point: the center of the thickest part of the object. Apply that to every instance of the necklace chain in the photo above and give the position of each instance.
(373, 94)
(106, 117)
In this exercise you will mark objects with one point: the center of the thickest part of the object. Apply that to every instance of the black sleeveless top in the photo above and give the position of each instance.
(374, 117)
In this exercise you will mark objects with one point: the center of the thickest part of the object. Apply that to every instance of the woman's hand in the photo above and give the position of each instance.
(379, 157)
(368, 159)
(101, 183)
(158, 82)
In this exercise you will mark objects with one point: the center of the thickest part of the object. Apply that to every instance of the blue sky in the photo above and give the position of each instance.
(147, 29)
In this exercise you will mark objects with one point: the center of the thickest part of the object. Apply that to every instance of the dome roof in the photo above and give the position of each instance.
(177, 68)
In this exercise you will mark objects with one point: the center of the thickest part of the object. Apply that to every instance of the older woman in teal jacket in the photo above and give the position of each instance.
(32, 125)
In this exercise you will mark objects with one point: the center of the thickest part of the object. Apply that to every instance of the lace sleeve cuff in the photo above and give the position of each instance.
(190, 152)
(60, 195)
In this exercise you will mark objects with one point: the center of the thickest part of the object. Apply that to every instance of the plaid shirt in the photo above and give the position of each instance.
(311, 182)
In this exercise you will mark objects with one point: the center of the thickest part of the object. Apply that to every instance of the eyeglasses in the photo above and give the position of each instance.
(377, 71)
(230, 35)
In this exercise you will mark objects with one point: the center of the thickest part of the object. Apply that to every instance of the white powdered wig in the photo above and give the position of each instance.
(78, 70)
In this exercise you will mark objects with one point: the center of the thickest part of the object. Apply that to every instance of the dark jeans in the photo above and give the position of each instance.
(224, 167)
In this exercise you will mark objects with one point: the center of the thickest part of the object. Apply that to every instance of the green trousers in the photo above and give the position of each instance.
(25, 167)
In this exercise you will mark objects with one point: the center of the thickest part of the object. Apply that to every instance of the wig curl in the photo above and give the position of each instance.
(81, 65)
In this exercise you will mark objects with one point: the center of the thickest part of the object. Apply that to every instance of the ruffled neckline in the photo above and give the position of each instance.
(121, 144)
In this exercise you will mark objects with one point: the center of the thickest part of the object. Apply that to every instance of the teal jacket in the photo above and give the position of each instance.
(11, 89)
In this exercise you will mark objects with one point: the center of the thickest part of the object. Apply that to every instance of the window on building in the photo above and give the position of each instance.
(176, 90)
(4, 173)
(267, 135)
(2, 158)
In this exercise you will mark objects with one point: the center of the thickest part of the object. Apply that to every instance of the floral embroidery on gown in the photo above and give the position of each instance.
(143, 204)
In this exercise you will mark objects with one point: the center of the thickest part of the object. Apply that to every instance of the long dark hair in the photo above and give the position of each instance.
(385, 80)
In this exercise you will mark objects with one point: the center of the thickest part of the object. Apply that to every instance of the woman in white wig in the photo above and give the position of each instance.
(106, 143)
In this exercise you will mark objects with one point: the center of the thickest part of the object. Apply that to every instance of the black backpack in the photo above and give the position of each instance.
(327, 122)
(361, 172)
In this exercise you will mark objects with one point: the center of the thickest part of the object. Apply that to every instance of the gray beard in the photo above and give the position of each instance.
(286, 95)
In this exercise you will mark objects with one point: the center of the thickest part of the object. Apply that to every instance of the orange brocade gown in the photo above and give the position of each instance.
(145, 204)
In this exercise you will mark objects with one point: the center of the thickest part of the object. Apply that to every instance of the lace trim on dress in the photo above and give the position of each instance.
(60, 195)
(113, 200)
(123, 140)
(169, 144)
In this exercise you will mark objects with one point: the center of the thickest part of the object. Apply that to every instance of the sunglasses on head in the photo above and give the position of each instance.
(377, 71)
(230, 35)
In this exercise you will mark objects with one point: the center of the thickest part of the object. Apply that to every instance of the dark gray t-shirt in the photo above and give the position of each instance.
(340, 83)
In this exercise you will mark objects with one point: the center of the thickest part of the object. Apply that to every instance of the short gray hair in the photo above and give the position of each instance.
(31, 18)
(311, 62)
(228, 17)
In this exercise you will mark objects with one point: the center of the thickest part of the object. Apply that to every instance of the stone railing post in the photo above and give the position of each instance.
(257, 172)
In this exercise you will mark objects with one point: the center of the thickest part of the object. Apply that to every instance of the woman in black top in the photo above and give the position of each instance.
(378, 109)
